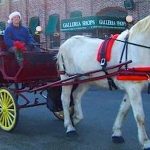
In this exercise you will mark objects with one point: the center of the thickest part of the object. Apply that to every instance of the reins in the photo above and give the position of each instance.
(132, 43)
(125, 47)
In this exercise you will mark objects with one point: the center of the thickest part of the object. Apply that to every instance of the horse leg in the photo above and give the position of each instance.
(122, 113)
(77, 94)
(65, 97)
(134, 93)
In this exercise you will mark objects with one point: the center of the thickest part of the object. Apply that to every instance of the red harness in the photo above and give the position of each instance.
(104, 50)
(131, 74)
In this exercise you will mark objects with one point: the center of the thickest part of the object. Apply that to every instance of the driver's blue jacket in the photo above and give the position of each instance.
(20, 33)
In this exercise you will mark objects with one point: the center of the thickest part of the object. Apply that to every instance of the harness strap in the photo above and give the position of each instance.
(63, 62)
(125, 50)
(148, 90)
(111, 82)
(103, 63)
(61, 72)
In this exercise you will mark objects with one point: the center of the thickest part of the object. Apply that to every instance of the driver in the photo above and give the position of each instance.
(16, 33)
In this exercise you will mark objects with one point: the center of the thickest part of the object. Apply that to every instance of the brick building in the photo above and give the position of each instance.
(63, 18)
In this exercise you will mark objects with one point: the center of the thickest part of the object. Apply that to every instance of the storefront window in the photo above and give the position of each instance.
(53, 30)
(33, 23)
(55, 40)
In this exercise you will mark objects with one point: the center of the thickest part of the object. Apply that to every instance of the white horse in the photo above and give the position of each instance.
(78, 55)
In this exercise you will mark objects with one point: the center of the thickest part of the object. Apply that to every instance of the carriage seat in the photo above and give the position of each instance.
(35, 66)
(38, 66)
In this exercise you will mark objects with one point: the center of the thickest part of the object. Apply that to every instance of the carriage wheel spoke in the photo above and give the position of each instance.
(4, 98)
(11, 110)
(12, 115)
(2, 119)
(9, 121)
(8, 101)
(10, 118)
(1, 101)
(10, 105)
(5, 120)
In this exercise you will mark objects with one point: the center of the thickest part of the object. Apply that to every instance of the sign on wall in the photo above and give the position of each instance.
(92, 22)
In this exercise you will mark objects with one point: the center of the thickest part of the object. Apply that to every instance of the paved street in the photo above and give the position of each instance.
(38, 129)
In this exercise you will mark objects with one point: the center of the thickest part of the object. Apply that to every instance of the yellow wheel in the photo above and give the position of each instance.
(60, 114)
(8, 110)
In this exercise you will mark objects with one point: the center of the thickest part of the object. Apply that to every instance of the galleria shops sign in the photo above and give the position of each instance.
(92, 22)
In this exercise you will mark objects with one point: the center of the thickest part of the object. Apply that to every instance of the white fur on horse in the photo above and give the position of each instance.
(78, 55)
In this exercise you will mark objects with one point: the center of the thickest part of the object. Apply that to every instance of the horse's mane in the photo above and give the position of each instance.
(141, 26)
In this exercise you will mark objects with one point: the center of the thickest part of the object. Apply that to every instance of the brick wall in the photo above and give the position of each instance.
(44, 8)
(4, 11)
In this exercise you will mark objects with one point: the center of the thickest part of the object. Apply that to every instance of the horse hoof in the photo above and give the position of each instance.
(71, 134)
(118, 139)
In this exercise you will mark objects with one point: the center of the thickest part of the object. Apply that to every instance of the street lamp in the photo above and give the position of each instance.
(38, 30)
(129, 20)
